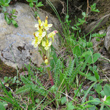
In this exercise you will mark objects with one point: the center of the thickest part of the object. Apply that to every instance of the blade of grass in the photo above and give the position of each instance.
(84, 98)
(78, 91)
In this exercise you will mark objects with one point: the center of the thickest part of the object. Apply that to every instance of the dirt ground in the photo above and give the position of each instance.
(6, 70)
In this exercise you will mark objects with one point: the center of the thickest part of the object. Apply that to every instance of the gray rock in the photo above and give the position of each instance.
(107, 40)
(102, 31)
(15, 43)
(104, 65)
(98, 44)
(94, 26)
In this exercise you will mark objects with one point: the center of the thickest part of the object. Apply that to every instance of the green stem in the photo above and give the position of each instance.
(102, 106)
(105, 58)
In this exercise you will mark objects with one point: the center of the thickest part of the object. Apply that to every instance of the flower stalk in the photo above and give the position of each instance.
(50, 77)
(43, 41)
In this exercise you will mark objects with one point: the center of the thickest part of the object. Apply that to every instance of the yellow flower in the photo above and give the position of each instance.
(40, 25)
(46, 25)
(38, 38)
(40, 33)
(46, 61)
(46, 44)
(39, 20)
(52, 34)
(36, 42)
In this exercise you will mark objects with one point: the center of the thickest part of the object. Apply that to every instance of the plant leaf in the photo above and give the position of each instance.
(2, 106)
(39, 4)
(70, 106)
(107, 90)
(63, 100)
(107, 101)
(77, 50)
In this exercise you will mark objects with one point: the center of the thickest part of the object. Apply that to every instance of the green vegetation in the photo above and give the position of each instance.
(77, 83)
(37, 4)
(9, 17)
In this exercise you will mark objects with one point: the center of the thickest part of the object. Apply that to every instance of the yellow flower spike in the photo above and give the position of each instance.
(52, 34)
(46, 44)
(46, 25)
